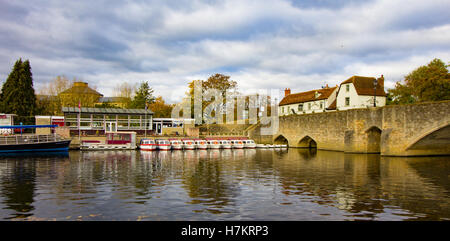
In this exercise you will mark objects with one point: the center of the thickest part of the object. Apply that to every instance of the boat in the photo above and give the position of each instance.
(176, 144)
(249, 144)
(33, 142)
(188, 144)
(284, 146)
(201, 144)
(225, 144)
(237, 144)
(213, 144)
(163, 145)
(116, 140)
(261, 146)
(147, 145)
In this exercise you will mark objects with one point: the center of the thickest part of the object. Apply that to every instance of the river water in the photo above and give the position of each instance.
(250, 184)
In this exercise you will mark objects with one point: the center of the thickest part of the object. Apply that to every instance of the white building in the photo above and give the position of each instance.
(359, 92)
(355, 92)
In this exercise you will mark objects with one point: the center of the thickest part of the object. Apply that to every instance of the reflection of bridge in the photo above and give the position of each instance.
(401, 130)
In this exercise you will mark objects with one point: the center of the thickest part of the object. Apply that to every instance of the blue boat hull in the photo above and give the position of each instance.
(49, 146)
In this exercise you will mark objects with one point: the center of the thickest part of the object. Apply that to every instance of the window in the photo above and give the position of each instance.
(321, 105)
(309, 106)
(347, 101)
(347, 87)
(300, 107)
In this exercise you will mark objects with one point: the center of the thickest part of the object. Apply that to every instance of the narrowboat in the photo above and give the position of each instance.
(163, 145)
(147, 145)
(188, 144)
(117, 140)
(33, 142)
(176, 144)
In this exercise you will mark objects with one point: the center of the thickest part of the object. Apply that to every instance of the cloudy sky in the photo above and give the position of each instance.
(260, 44)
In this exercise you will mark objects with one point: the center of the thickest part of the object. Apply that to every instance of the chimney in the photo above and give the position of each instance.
(287, 92)
(327, 86)
(381, 81)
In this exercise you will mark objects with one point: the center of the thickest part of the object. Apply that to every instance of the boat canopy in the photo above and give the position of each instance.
(27, 126)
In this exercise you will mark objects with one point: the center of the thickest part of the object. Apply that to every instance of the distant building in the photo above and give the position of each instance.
(93, 121)
(79, 92)
(319, 100)
(355, 92)
(118, 102)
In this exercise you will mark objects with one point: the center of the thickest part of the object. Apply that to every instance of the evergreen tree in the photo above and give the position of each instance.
(143, 95)
(18, 95)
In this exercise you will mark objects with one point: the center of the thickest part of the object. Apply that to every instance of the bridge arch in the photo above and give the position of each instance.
(435, 138)
(307, 142)
(280, 139)
(373, 140)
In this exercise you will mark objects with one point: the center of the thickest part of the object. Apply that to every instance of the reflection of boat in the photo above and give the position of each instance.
(188, 144)
(147, 145)
(33, 142)
(201, 144)
(163, 145)
(114, 141)
(176, 144)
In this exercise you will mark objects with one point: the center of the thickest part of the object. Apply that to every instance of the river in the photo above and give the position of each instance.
(250, 184)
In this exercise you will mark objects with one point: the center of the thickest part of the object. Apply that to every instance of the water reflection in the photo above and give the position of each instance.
(247, 184)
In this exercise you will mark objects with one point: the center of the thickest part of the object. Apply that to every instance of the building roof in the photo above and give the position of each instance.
(364, 85)
(81, 88)
(105, 110)
(333, 105)
(111, 99)
(307, 96)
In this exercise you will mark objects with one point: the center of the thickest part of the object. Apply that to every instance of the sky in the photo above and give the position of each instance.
(262, 45)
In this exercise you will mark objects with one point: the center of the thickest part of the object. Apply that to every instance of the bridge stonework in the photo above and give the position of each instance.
(396, 130)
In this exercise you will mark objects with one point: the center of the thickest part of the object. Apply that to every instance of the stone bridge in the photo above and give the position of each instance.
(397, 130)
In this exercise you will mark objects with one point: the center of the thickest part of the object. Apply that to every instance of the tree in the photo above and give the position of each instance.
(143, 95)
(219, 82)
(18, 96)
(160, 108)
(125, 92)
(426, 83)
(49, 100)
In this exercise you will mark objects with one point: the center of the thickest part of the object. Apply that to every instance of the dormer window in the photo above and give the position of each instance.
(347, 87)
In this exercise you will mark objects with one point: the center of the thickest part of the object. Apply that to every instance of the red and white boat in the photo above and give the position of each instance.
(225, 144)
(163, 145)
(201, 144)
(147, 145)
(237, 144)
(176, 144)
(213, 144)
(188, 144)
(249, 144)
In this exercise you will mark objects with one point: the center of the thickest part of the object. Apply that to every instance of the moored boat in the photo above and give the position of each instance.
(163, 145)
(147, 145)
(237, 144)
(201, 144)
(188, 144)
(213, 144)
(176, 144)
(261, 146)
(225, 144)
(249, 143)
(114, 141)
